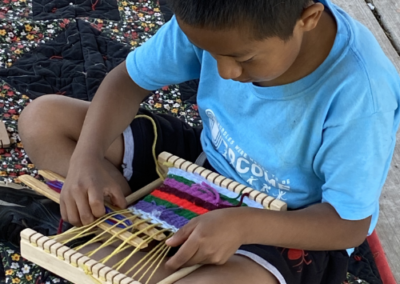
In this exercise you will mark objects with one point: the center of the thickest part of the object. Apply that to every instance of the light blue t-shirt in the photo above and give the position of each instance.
(328, 137)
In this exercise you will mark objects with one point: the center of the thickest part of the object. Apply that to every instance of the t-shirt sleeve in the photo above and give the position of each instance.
(353, 160)
(166, 58)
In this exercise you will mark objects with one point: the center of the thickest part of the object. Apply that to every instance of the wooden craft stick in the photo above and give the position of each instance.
(43, 189)
(4, 138)
(49, 175)
(40, 187)
(180, 274)
(132, 198)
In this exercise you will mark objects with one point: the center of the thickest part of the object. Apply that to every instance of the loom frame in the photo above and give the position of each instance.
(77, 268)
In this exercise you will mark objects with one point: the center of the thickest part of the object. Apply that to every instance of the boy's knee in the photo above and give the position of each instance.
(34, 108)
(36, 113)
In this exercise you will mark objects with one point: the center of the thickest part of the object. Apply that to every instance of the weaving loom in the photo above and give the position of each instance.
(185, 191)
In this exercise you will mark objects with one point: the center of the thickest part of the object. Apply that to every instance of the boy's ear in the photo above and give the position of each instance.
(311, 16)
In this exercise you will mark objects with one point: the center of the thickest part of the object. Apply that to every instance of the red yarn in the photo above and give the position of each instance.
(179, 202)
(241, 199)
(94, 5)
(54, 188)
(60, 225)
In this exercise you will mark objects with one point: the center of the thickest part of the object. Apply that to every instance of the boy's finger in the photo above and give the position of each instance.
(184, 254)
(72, 213)
(118, 199)
(85, 212)
(96, 202)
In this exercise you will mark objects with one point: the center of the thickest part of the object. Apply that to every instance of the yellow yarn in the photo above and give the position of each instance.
(160, 255)
(168, 164)
(158, 265)
(154, 143)
(90, 273)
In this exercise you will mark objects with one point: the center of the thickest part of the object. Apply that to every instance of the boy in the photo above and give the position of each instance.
(297, 99)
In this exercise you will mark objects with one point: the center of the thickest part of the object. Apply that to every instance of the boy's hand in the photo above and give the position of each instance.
(211, 238)
(82, 196)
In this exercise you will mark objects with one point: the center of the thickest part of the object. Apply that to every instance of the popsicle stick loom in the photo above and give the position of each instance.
(156, 212)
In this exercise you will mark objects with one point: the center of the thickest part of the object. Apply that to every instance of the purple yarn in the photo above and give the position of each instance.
(196, 190)
(195, 200)
(165, 214)
(55, 184)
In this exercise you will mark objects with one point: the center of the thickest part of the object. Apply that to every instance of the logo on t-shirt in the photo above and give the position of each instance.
(246, 167)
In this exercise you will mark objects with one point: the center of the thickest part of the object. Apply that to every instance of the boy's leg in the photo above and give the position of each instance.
(173, 136)
(238, 269)
(49, 128)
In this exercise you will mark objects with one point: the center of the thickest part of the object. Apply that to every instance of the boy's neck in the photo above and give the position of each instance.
(315, 48)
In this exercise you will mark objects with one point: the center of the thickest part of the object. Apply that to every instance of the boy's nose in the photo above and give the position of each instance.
(229, 68)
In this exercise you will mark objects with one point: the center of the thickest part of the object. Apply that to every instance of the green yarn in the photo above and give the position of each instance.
(233, 201)
(181, 212)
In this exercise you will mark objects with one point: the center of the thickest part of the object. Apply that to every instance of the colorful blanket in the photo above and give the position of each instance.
(66, 48)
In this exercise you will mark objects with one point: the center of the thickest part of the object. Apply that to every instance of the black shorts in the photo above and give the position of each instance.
(297, 266)
(174, 136)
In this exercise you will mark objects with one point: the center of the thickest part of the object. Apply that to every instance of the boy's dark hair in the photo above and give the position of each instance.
(264, 18)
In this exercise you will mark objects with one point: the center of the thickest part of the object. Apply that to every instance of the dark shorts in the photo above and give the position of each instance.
(174, 136)
(297, 266)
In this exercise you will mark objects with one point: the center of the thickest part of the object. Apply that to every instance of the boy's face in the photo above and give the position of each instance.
(243, 59)
(267, 62)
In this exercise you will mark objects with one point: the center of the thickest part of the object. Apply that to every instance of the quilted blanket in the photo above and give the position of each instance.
(66, 47)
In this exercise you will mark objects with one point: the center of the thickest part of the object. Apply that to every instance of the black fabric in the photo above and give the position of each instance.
(189, 91)
(299, 267)
(166, 10)
(173, 136)
(2, 272)
(362, 264)
(30, 210)
(55, 9)
(74, 63)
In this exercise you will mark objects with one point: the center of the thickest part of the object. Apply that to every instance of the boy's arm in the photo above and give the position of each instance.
(318, 227)
(118, 94)
(215, 236)
(166, 58)
(89, 178)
